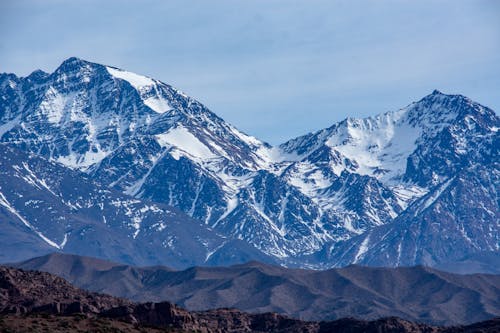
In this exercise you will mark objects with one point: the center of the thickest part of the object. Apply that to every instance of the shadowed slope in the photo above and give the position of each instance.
(37, 301)
(414, 293)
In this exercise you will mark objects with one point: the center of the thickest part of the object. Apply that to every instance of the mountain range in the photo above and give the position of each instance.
(32, 301)
(418, 294)
(100, 161)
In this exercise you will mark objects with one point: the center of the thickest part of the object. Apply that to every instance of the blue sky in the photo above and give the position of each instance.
(275, 69)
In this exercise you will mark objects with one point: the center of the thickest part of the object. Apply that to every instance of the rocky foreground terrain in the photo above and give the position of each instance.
(33, 301)
(418, 294)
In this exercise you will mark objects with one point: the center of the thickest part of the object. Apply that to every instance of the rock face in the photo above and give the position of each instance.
(321, 200)
(428, 232)
(45, 207)
(26, 292)
(418, 294)
(31, 293)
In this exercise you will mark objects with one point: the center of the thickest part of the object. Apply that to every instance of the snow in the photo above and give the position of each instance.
(231, 183)
(400, 245)
(362, 249)
(211, 253)
(65, 240)
(134, 189)
(160, 226)
(135, 214)
(431, 198)
(54, 105)
(407, 193)
(380, 143)
(4, 128)
(308, 179)
(378, 146)
(75, 161)
(137, 231)
(147, 88)
(182, 139)
(137, 81)
(232, 203)
(157, 104)
(199, 188)
(249, 140)
(34, 180)
(4, 202)
(348, 225)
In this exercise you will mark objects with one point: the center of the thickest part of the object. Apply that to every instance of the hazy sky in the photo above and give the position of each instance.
(275, 69)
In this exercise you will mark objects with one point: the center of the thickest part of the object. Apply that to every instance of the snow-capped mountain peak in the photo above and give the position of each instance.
(100, 108)
(140, 136)
(379, 146)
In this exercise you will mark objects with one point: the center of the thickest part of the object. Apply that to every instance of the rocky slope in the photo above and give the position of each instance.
(45, 207)
(413, 293)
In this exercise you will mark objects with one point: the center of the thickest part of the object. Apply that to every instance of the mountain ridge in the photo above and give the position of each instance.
(32, 301)
(417, 293)
(297, 203)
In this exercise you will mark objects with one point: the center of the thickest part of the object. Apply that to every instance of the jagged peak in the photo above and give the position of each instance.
(74, 60)
(37, 75)
(439, 107)
(370, 141)
(75, 63)
(440, 97)
(4, 76)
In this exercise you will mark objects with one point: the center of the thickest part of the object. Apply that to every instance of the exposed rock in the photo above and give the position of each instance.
(414, 293)
(24, 294)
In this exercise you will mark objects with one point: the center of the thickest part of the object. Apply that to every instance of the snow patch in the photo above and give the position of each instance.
(211, 253)
(75, 161)
(434, 196)
(362, 249)
(380, 145)
(137, 81)
(232, 203)
(55, 105)
(4, 202)
(4, 128)
(182, 139)
(147, 88)
(157, 104)
(406, 194)
(65, 240)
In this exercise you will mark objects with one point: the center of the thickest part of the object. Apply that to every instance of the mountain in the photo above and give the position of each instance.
(480, 262)
(31, 298)
(460, 167)
(38, 302)
(418, 294)
(44, 207)
(465, 207)
(322, 200)
(109, 123)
